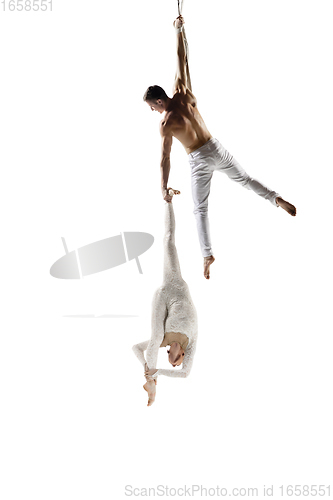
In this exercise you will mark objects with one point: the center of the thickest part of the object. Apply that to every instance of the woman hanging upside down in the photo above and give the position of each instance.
(174, 317)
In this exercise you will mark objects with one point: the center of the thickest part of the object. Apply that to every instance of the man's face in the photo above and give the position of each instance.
(156, 105)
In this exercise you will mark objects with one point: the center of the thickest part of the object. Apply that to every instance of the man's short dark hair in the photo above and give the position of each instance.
(153, 93)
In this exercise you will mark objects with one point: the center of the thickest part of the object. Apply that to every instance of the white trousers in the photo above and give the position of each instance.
(203, 161)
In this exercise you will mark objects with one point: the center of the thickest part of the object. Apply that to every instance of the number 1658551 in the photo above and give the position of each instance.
(26, 5)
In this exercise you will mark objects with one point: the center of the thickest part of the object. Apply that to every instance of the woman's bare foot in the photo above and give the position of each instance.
(172, 192)
(288, 207)
(168, 193)
(150, 387)
(207, 263)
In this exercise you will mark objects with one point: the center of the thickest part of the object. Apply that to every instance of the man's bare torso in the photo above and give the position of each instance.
(185, 123)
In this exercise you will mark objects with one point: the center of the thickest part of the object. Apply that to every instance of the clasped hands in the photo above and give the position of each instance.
(149, 373)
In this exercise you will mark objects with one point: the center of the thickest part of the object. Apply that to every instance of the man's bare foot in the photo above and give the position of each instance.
(288, 207)
(150, 387)
(207, 263)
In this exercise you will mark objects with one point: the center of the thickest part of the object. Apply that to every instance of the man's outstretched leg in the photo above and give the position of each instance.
(226, 163)
(201, 216)
(201, 179)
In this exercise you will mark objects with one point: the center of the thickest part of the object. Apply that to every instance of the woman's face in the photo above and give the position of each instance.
(176, 354)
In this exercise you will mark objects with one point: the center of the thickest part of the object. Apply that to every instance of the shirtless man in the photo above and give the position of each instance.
(183, 121)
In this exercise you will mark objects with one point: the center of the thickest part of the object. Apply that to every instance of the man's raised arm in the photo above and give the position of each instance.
(181, 83)
(165, 159)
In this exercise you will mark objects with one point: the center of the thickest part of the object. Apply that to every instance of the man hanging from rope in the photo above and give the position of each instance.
(183, 121)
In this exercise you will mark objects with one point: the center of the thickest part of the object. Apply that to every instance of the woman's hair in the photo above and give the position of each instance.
(153, 93)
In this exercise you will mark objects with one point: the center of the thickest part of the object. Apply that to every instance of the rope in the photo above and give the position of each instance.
(180, 7)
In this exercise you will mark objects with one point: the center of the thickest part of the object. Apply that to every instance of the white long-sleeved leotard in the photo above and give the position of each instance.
(172, 308)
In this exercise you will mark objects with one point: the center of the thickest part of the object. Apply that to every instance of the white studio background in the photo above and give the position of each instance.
(80, 159)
